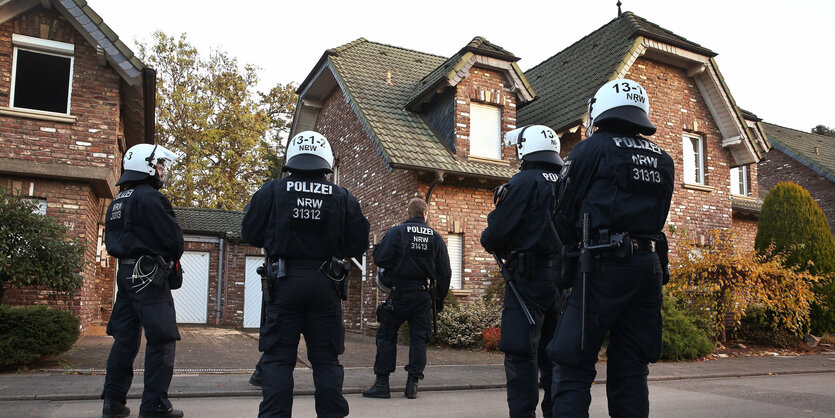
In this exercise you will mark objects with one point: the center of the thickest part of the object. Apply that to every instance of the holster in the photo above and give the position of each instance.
(163, 272)
(337, 270)
(384, 312)
(522, 264)
(273, 271)
(569, 260)
(662, 247)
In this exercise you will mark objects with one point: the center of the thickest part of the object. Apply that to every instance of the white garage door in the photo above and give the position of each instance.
(191, 300)
(252, 293)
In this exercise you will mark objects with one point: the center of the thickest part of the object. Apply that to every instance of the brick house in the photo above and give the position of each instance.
(803, 158)
(73, 98)
(405, 123)
(714, 144)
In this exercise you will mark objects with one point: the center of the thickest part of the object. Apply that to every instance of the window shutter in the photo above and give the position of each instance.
(456, 257)
(485, 131)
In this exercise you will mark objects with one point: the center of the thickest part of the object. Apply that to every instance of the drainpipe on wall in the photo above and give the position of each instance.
(439, 178)
(219, 281)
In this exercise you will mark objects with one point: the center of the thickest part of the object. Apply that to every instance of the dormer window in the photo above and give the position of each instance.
(485, 131)
(41, 74)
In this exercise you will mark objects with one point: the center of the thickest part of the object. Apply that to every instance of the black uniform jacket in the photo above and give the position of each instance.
(522, 220)
(414, 251)
(140, 221)
(305, 217)
(624, 182)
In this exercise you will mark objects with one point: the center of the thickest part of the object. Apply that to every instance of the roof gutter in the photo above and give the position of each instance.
(218, 312)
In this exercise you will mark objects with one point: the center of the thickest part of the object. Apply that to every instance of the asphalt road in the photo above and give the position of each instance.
(809, 395)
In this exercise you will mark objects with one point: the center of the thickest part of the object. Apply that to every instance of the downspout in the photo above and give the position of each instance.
(439, 178)
(219, 281)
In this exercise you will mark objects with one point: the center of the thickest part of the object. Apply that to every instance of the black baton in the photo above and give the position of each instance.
(513, 290)
(586, 261)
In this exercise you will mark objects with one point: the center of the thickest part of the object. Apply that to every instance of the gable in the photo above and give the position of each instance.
(139, 81)
(567, 80)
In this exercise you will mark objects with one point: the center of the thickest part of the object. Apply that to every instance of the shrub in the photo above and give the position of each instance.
(462, 325)
(32, 332)
(757, 326)
(724, 281)
(681, 338)
(490, 338)
(793, 223)
(34, 249)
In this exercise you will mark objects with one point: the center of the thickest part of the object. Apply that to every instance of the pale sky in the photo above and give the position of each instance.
(776, 56)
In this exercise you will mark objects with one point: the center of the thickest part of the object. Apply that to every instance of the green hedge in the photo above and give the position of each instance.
(682, 339)
(33, 332)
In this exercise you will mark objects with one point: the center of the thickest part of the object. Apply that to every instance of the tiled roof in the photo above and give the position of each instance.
(214, 222)
(814, 151)
(566, 81)
(379, 80)
(93, 28)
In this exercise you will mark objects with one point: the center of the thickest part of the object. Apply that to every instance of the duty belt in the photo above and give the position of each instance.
(403, 290)
(304, 262)
(643, 244)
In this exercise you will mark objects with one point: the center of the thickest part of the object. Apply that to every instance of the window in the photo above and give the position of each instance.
(740, 181)
(694, 166)
(455, 248)
(41, 74)
(40, 205)
(485, 131)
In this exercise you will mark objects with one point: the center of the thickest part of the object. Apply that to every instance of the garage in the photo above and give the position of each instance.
(191, 300)
(252, 293)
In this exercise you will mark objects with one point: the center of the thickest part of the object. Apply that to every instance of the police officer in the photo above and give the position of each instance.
(141, 230)
(624, 183)
(520, 229)
(302, 221)
(416, 262)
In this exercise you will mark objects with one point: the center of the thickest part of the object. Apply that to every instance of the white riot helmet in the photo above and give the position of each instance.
(308, 151)
(624, 100)
(535, 143)
(384, 282)
(147, 160)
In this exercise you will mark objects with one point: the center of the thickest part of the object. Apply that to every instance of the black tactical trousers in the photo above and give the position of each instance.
(624, 299)
(524, 345)
(306, 303)
(151, 309)
(413, 307)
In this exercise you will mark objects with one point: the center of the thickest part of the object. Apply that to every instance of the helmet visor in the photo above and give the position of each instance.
(163, 167)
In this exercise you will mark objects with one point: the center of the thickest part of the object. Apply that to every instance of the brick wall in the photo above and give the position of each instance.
(778, 167)
(677, 107)
(234, 279)
(92, 141)
(75, 206)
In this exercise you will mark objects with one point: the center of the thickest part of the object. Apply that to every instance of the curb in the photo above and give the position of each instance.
(356, 390)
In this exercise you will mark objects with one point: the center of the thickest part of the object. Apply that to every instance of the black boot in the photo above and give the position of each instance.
(256, 379)
(171, 413)
(113, 409)
(411, 387)
(380, 389)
